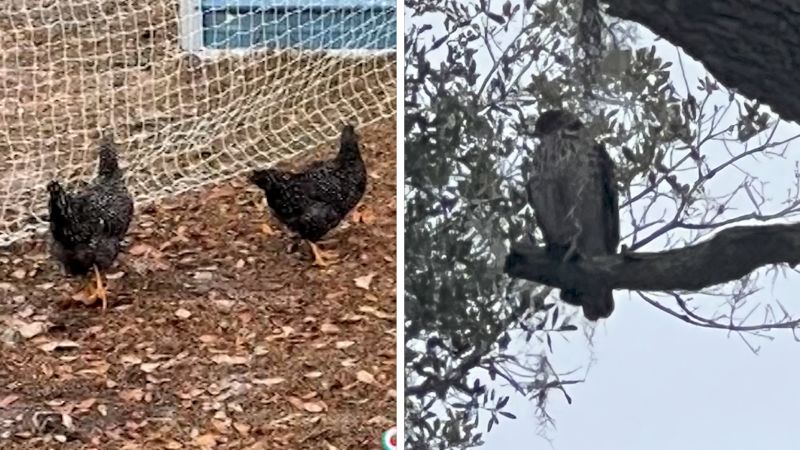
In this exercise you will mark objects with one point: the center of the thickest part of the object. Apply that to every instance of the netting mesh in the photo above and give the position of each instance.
(182, 119)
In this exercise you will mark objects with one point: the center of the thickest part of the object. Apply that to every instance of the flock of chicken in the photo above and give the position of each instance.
(88, 225)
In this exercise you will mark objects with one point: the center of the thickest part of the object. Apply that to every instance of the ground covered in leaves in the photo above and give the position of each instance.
(216, 335)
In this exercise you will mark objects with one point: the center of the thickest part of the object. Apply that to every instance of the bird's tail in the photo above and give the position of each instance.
(265, 179)
(348, 143)
(59, 209)
(597, 305)
(107, 165)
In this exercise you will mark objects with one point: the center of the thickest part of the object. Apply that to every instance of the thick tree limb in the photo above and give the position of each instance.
(728, 256)
(752, 46)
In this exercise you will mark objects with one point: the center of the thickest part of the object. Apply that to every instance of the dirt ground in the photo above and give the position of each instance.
(216, 335)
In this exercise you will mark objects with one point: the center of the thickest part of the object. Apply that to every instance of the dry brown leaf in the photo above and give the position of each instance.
(380, 420)
(59, 345)
(149, 367)
(95, 329)
(242, 428)
(314, 407)
(353, 318)
(375, 312)
(132, 395)
(182, 313)
(130, 359)
(268, 381)
(315, 374)
(203, 275)
(206, 441)
(86, 404)
(329, 328)
(309, 396)
(221, 426)
(260, 350)
(365, 377)
(26, 312)
(32, 329)
(172, 445)
(344, 344)
(7, 400)
(296, 402)
(230, 360)
(364, 216)
(335, 295)
(191, 394)
(115, 275)
(140, 249)
(365, 281)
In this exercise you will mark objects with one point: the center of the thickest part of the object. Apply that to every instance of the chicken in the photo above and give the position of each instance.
(312, 202)
(88, 226)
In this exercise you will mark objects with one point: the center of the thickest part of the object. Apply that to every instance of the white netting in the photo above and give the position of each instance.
(188, 103)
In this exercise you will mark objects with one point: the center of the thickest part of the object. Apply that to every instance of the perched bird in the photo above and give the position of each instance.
(575, 200)
(88, 226)
(315, 200)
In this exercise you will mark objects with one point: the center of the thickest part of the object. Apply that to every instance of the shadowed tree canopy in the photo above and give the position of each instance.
(752, 46)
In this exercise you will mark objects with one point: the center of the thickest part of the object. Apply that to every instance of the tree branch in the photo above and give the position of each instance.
(749, 45)
(729, 255)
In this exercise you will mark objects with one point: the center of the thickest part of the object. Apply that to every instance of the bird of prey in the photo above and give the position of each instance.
(574, 196)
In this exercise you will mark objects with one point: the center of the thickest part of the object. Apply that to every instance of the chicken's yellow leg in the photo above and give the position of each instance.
(265, 227)
(85, 294)
(267, 230)
(320, 256)
(100, 290)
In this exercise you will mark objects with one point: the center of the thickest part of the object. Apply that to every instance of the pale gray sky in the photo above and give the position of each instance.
(657, 383)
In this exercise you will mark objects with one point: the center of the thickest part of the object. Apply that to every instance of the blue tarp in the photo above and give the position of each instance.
(305, 24)
(298, 4)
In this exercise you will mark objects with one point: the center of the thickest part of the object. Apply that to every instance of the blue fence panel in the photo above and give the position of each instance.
(306, 24)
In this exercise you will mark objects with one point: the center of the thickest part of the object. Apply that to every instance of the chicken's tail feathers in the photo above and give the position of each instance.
(54, 188)
(349, 132)
(597, 305)
(265, 179)
(349, 139)
(59, 210)
(58, 197)
(107, 164)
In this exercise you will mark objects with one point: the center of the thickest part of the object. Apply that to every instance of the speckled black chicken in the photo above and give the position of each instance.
(88, 226)
(314, 201)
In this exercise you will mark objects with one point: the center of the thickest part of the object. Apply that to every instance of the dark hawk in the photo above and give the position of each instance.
(575, 200)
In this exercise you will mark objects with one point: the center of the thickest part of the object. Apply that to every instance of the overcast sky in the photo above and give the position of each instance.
(658, 383)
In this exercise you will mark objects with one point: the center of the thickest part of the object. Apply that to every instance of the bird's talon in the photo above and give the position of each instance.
(322, 258)
(267, 230)
(84, 296)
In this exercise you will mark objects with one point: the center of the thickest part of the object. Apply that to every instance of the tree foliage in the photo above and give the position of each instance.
(476, 73)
